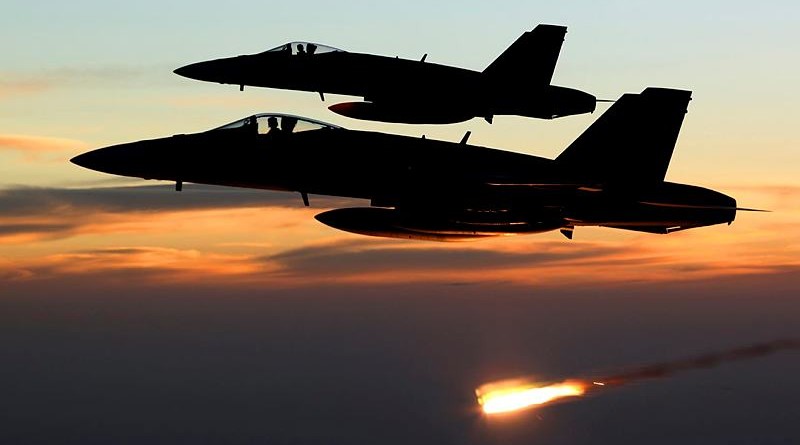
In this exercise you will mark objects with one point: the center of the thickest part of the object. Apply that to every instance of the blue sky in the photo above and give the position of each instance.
(93, 59)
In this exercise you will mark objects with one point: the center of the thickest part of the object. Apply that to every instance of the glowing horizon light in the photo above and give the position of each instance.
(499, 398)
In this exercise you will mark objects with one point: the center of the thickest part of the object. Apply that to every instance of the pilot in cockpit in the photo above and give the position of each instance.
(311, 48)
(300, 50)
(272, 123)
(288, 124)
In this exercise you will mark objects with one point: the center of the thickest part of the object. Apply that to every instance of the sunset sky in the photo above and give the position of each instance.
(130, 313)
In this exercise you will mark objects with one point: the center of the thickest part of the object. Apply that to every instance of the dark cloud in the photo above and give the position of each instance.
(12, 274)
(369, 257)
(116, 251)
(17, 229)
(49, 201)
(58, 212)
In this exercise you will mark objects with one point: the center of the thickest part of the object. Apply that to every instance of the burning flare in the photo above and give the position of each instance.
(503, 397)
(513, 395)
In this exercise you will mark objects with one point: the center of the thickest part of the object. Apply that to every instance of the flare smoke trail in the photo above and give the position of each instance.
(514, 395)
(667, 369)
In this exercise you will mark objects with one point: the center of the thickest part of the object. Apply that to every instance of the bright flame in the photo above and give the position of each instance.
(513, 395)
(501, 397)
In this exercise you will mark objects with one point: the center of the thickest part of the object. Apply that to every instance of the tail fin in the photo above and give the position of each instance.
(531, 58)
(632, 142)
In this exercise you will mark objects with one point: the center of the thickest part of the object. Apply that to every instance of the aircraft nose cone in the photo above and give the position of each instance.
(230, 70)
(191, 71)
(220, 70)
(93, 160)
(115, 160)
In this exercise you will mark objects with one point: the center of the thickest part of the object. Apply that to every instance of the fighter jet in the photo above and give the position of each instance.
(412, 91)
(612, 175)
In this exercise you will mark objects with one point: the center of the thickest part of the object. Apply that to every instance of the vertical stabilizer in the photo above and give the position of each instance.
(632, 142)
(531, 59)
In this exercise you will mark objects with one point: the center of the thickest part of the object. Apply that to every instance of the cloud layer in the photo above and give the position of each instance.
(214, 234)
(37, 148)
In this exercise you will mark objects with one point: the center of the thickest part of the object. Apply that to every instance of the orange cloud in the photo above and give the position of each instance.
(10, 88)
(157, 264)
(34, 148)
(166, 237)
(348, 260)
(24, 83)
(531, 261)
(37, 215)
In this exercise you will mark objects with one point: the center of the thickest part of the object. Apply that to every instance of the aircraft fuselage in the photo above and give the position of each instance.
(394, 89)
(420, 188)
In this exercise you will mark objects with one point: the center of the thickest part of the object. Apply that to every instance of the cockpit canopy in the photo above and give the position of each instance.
(267, 123)
(303, 48)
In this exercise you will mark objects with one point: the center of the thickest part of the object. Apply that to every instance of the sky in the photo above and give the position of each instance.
(130, 313)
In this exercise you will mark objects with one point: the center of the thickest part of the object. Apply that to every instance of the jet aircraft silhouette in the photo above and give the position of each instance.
(612, 175)
(412, 91)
